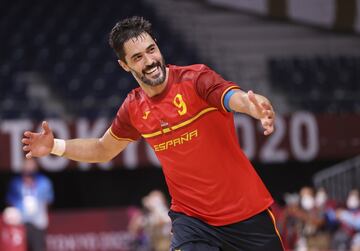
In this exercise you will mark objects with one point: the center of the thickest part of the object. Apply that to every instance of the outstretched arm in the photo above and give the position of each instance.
(256, 106)
(86, 150)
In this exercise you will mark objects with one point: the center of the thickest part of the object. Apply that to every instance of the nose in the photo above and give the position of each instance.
(148, 60)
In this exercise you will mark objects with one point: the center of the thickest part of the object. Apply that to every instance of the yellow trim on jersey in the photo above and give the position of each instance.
(276, 229)
(223, 94)
(118, 138)
(182, 124)
(150, 135)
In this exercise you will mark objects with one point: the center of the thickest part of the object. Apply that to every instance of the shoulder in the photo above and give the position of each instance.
(134, 95)
(195, 68)
(189, 71)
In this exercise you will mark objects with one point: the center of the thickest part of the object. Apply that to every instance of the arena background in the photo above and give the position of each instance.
(56, 65)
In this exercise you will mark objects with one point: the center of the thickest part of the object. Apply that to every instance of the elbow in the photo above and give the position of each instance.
(103, 155)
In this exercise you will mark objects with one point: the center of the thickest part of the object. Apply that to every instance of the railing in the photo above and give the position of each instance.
(339, 179)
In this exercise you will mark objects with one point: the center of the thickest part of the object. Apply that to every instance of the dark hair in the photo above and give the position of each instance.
(126, 29)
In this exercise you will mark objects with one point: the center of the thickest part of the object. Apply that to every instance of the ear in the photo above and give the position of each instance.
(123, 65)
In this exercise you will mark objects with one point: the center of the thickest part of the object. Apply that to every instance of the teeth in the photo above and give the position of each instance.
(152, 70)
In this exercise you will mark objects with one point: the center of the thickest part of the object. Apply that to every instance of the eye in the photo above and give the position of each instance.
(137, 58)
(152, 49)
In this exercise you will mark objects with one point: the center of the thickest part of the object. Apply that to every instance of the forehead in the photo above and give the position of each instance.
(137, 44)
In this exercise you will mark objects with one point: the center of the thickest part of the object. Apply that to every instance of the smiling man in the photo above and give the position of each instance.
(186, 114)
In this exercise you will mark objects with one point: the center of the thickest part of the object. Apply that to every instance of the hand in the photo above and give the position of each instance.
(38, 144)
(264, 112)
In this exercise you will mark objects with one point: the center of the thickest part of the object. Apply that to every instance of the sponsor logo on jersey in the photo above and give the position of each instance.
(146, 114)
(186, 137)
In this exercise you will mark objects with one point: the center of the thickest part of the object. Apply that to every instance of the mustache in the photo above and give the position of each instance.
(149, 67)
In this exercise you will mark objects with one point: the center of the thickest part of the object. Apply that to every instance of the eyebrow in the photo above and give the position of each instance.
(139, 53)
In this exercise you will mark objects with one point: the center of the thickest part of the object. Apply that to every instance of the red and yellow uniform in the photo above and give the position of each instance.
(194, 137)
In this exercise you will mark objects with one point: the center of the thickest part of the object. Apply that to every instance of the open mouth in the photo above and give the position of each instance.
(153, 70)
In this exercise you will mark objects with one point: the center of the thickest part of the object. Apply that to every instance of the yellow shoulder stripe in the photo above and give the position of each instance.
(118, 138)
(182, 124)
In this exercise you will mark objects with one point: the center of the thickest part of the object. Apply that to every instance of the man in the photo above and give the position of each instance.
(31, 193)
(218, 200)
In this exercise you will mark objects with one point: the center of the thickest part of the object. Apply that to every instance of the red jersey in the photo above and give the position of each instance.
(194, 138)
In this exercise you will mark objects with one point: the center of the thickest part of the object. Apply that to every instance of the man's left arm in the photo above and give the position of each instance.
(255, 105)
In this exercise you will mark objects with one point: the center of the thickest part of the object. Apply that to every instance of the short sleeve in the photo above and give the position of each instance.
(212, 87)
(121, 127)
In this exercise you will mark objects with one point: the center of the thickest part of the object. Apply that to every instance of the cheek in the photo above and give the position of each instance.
(159, 57)
(138, 67)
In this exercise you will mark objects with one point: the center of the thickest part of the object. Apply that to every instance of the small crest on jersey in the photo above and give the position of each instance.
(146, 114)
(164, 123)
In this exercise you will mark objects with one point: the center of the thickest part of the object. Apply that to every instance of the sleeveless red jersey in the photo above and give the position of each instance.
(194, 137)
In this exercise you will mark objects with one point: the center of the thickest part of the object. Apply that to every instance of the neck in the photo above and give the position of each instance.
(152, 91)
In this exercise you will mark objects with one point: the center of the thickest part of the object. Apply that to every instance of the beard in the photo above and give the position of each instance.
(152, 81)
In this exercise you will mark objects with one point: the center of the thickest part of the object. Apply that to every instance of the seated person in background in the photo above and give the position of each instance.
(347, 236)
(31, 193)
(308, 221)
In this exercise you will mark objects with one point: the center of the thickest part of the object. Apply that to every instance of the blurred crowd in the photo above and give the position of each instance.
(311, 221)
(25, 219)
(308, 221)
(150, 226)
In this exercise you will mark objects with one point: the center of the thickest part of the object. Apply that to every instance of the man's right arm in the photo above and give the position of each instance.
(94, 150)
(86, 150)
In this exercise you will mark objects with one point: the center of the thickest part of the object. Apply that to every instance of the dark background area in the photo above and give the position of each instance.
(120, 187)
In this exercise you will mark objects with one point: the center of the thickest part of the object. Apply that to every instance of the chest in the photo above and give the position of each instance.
(178, 107)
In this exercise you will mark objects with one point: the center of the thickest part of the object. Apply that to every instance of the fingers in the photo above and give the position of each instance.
(265, 113)
(28, 155)
(268, 125)
(28, 134)
(269, 118)
(26, 141)
(30, 138)
(269, 131)
(253, 100)
(266, 106)
(269, 112)
(26, 147)
(45, 127)
(263, 108)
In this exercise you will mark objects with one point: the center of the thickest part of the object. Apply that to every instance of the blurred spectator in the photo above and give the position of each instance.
(327, 207)
(313, 218)
(321, 198)
(136, 229)
(12, 232)
(31, 193)
(157, 222)
(355, 243)
(289, 225)
(347, 236)
(152, 226)
(303, 222)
